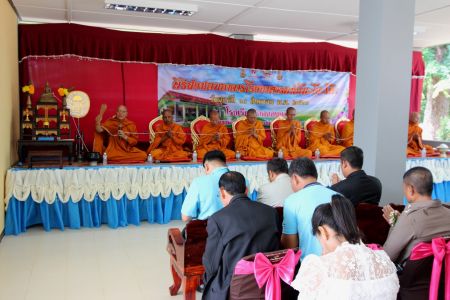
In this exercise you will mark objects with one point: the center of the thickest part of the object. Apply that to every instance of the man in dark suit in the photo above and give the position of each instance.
(241, 228)
(357, 186)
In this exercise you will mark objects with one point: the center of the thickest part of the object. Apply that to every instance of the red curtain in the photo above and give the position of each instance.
(113, 83)
(135, 84)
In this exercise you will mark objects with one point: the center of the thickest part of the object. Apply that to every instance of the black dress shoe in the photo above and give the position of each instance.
(201, 288)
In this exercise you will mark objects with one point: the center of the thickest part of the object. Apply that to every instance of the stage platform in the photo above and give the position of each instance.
(118, 195)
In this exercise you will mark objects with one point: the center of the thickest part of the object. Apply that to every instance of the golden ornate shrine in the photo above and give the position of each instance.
(46, 121)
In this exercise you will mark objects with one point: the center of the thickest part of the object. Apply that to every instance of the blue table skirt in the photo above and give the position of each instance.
(116, 213)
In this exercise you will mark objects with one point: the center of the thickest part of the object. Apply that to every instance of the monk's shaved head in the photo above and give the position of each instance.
(214, 117)
(122, 112)
(213, 112)
(167, 116)
(325, 117)
(251, 111)
(251, 115)
(323, 112)
(421, 179)
(290, 113)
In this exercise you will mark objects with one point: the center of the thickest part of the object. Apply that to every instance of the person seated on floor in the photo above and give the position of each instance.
(289, 134)
(299, 207)
(250, 136)
(322, 137)
(347, 268)
(357, 186)
(415, 144)
(279, 187)
(122, 137)
(169, 140)
(422, 219)
(348, 132)
(202, 198)
(241, 228)
(214, 136)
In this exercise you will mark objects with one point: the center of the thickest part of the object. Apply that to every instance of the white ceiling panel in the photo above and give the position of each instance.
(59, 14)
(440, 16)
(327, 20)
(274, 31)
(423, 6)
(295, 20)
(142, 21)
(42, 3)
(344, 7)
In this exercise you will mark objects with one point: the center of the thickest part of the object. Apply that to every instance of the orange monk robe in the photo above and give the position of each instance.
(290, 143)
(317, 141)
(118, 149)
(251, 146)
(415, 145)
(171, 148)
(208, 143)
(347, 134)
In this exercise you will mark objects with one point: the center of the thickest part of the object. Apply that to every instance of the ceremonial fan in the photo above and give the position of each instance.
(79, 103)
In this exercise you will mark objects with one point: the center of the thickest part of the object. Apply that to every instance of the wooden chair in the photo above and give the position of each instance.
(416, 276)
(339, 126)
(196, 129)
(244, 286)
(235, 124)
(186, 257)
(274, 128)
(274, 125)
(152, 127)
(309, 124)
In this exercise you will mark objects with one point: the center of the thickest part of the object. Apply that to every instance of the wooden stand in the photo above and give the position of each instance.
(49, 155)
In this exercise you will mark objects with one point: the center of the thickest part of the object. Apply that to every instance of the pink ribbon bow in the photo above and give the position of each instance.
(268, 274)
(374, 247)
(440, 250)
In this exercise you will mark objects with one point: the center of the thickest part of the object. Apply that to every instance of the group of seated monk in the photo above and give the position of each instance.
(317, 219)
(169, 137)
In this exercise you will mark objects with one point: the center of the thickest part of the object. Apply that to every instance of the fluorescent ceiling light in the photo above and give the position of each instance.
(157, 7)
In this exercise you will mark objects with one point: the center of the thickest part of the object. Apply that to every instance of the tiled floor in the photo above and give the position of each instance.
(102, 263)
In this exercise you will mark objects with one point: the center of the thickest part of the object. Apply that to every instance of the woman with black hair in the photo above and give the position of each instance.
(347, 268)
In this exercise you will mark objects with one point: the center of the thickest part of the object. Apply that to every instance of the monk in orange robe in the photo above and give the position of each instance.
(348, 132)
(214, 136)
(169, 140)
(122, 137)
(415, 144)
(322, 137)
(250, 136)
(289, 135)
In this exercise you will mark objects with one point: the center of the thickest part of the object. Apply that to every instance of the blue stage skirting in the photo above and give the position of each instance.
(116, 213)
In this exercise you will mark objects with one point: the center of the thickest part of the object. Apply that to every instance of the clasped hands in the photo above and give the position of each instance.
(327, 136)
(122, 134)
(390, 214)
(252, 132)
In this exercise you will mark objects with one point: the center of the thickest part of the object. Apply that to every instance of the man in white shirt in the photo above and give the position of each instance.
(279, 187)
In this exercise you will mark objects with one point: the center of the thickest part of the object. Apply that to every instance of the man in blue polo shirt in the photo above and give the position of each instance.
(203, 199)
(299, 207)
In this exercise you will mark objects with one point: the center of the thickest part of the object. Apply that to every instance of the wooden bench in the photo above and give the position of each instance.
(186, 257)
(49, 155)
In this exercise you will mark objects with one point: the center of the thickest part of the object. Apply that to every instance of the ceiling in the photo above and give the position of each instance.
(269, 20)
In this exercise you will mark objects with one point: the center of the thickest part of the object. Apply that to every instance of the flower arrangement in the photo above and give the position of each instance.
(28, 89)
(63, 91)
(393, 217)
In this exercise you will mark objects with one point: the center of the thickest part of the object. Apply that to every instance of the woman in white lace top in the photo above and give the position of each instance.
(347, 269)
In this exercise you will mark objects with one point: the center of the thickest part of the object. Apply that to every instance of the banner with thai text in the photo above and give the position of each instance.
(191, 91)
